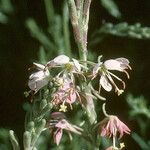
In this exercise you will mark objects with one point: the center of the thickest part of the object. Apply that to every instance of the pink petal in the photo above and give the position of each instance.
(103, 132)
(63, 124)
(57, 136)
(71, 98)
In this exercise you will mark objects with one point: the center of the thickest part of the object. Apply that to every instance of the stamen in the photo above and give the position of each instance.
(126, 74)
(113, 83)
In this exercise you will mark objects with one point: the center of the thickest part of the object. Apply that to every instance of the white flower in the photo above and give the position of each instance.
(38, 79)
(58, 61)
(77, 65)
(106, 81)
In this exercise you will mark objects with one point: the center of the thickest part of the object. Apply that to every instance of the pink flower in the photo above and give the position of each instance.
(65, 93)
(59, 122)
(106, 80)
(111, 125)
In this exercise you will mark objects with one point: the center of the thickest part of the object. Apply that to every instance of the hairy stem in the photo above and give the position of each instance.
(79, 15)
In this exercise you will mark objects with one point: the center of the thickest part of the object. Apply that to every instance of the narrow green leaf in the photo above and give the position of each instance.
(38, 34)
(140, 141)
(42, 55)
(111, 7)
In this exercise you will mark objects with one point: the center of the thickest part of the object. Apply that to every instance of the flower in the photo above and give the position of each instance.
(38, 79)
(58, 121)
(106, 80)
(66, 93)
(111, 125)
(58, 61)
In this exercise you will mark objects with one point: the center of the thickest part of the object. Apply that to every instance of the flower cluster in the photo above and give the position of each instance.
(64, 80)
(58, 123)
(67, 79)
(66, 93)
(103, 69)
(111, 125)
(69, 67)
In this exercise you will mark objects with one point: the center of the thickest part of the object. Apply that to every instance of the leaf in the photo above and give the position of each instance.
(140, 141)
(38, 34)
(42, 55)
(125, 30)
(111, 7)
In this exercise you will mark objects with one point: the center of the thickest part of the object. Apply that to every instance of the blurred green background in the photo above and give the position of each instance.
(19, 47)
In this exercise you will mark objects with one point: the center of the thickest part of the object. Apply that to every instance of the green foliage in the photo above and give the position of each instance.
(126, 30)
(6, 8)
(39, 34)
(5, 139)
(57, 38)
(111, 7)
(143, 145)
(140, 112)
(138, 106)
(123, 29)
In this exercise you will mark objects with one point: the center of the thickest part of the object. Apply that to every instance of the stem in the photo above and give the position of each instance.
(114, 141)
(79, 24)
(114, 138)
(104, 110)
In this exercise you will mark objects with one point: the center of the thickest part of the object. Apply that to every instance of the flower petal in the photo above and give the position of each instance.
(124, 63)
(71, 97)
(59, 60)
(38, 80)
(96, 68)
(105, 83)
(113, 64)
(39, 66)
(77, 65)
(64, 124)
(58, 135)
